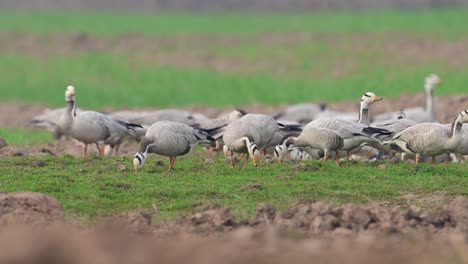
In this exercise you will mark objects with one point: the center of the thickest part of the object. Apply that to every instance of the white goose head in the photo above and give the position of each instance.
(463, 116)
(369, 98)
(431, 81)
(70, 93)
(139, 161)
(281, 152)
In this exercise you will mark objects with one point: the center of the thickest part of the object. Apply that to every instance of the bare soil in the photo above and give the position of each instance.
(311, 231)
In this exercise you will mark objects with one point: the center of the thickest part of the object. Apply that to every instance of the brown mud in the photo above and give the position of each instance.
(34, 231)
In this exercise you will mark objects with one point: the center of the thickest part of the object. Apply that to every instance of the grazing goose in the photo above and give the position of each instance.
(430, 139)
(92, 127)
(287, 151)
(251, 132)
(362, 117)
(319, 138)
(353, 134)
(48, 119)
(169, 139)
(418, 114)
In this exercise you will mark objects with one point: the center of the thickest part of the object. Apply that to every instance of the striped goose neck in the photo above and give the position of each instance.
(71, 108)
(252, 148)
(144, 145)
(456, 127)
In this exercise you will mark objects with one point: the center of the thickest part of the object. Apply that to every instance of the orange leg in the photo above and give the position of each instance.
(325, 156)
(85, 150)
(116, 149)
(232, 160)
(337, 158)
(246, 161)
(347, 155)
(101, 149)
(418, 158)
(171, 163)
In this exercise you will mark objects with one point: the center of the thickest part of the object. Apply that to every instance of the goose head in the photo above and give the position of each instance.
(70, 93)
(138, 161)
(431, 81)
(369, 98)
(463, 116)
(280, 153)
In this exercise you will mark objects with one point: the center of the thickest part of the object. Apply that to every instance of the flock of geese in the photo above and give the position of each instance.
(303, 131)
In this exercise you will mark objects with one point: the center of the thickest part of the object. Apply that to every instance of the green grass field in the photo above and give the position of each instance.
(228, 59)
(444, 22)
(142, 60)
(79, 183)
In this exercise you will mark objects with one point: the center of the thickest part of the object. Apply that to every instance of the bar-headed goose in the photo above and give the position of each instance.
(319, 138)
(362, 117)
(251, 132)
(430, 139)
(91, 127)
(169, 139)
(353, 134)
(287, 151)
(418, 114)
(302, 113)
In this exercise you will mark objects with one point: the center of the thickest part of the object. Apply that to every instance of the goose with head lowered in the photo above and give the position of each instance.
(252, 132)
(170, 139)
(91, 127)
(430, 139)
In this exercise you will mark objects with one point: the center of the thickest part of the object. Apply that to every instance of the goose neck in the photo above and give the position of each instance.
(364, 114)
(455, 130)
(429, 97)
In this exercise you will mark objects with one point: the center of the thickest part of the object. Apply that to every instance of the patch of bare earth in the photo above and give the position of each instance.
(318, 232)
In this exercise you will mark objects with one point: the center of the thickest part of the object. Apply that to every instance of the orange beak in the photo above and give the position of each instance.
(376, 99)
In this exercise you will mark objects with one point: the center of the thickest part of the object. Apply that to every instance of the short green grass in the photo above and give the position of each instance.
(25, 137)
(449, 22)
(94, 187)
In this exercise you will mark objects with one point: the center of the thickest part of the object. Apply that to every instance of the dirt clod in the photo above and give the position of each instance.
(122, 167)
(29, 208)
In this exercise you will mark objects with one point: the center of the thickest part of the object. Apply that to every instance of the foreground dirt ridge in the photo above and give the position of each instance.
(306, 218)
(34, 230)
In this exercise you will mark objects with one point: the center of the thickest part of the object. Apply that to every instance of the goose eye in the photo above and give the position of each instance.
(366, 95)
